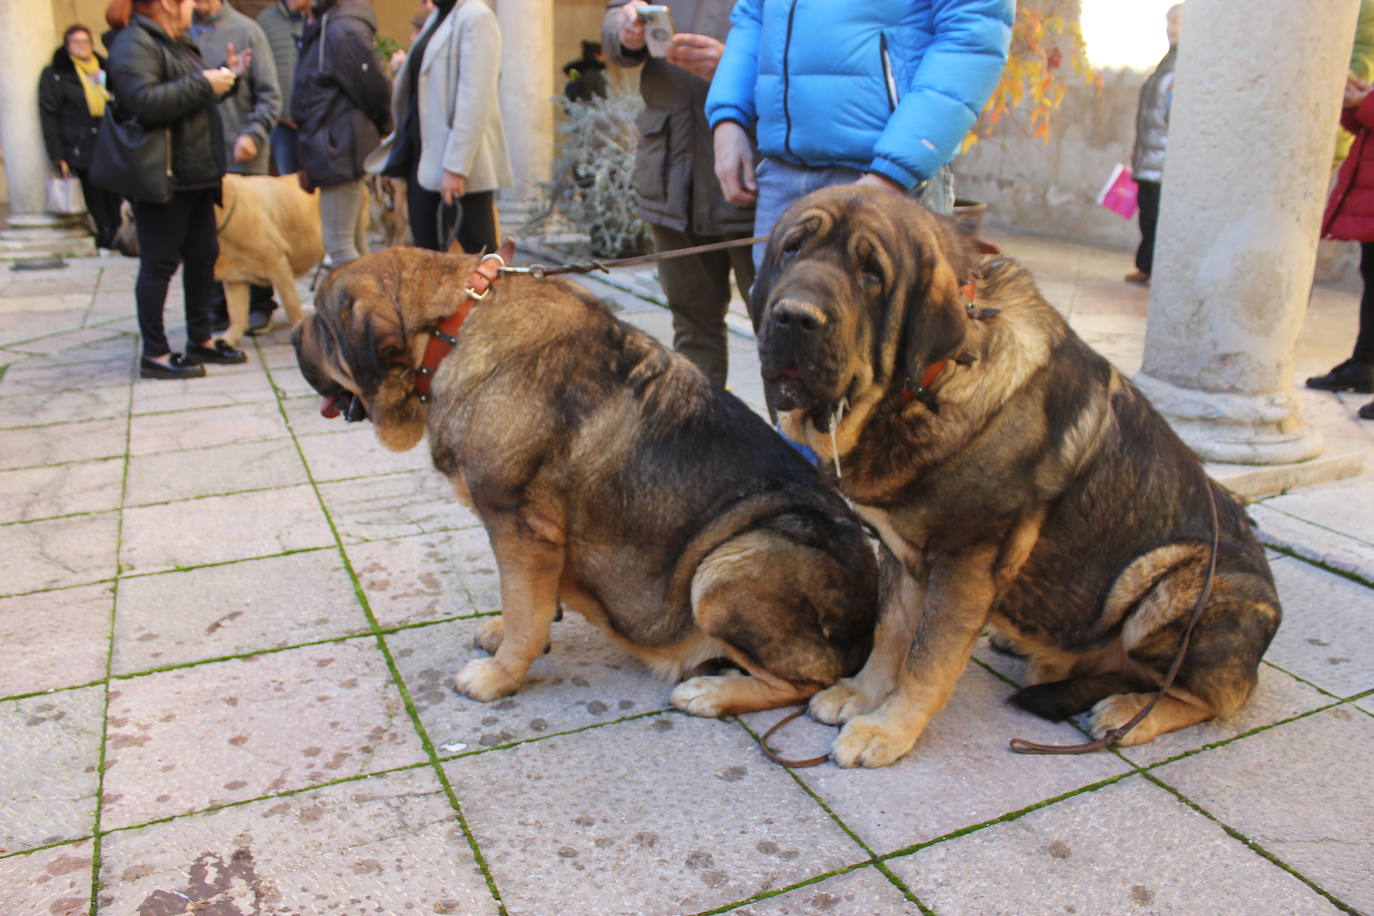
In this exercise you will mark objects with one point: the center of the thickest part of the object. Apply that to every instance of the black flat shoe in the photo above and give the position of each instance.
(1367, 411)
(1348, 376)
(221, 352)
(177, 367)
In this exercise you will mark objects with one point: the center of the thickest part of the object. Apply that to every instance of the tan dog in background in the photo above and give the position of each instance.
(269, 234)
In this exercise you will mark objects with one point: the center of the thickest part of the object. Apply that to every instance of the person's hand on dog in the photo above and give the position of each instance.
(452, 187)
(874, 180)
(735, 163)
(245, 148)
(631, 28)
(697, 54)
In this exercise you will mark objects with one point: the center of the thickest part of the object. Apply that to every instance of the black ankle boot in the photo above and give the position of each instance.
(1348, 376)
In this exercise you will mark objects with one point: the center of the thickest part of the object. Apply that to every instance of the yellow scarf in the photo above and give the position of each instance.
(92, 81)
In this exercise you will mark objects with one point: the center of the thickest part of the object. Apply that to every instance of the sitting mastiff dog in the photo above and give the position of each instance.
(1015, 477)
(611, 476)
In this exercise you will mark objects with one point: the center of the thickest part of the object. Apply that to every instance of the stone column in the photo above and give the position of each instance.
(527, 89)
(1244, 187)
(29, 43)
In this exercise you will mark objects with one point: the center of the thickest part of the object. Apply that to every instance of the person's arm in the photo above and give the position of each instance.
(479, 69)
(358, 71)
(135, 80)
(731, 97)
(622, 35)
(50, 116)
(953, 80)
(262, 70)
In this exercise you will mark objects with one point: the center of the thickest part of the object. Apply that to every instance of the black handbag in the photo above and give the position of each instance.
(131, 160)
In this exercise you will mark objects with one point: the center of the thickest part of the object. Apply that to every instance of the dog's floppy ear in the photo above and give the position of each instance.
(937, 315)
(373, 340)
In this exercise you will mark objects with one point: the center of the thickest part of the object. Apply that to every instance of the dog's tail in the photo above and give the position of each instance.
(1057, 700)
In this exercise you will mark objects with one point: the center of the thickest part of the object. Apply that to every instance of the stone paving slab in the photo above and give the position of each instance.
(1100, 852)
(49, 748)
(60, 489)
(190, 473)
(46, 376)
(194, 738)
(1299, 791)
(54, 639)
(427, 577)
(864, 890)
(394, 505)
(217, 529)
(221, 386)
(55, 881)
(388, 844)
(961, 772)
(668, 814)
(354, 451)
(40, 446)
(1327, 635)
(177, 429)
(178, 618)
(582, 681)
(46, 408)
(59, 552)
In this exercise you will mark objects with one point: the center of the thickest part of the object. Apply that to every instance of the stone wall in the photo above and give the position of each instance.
(1051, 189)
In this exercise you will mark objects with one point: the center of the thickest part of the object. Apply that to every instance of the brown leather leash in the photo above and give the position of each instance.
(1022, 746)
(539, 271)
(782, 761)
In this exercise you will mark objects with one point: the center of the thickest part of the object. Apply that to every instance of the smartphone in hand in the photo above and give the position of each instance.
(658, 29)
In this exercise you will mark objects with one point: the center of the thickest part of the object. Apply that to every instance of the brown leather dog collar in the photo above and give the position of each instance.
(444, 337)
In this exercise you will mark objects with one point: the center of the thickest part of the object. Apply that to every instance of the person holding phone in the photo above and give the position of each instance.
(879, 93)
(675, 168)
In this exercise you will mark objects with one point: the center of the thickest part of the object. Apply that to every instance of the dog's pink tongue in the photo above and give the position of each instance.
(328, 410)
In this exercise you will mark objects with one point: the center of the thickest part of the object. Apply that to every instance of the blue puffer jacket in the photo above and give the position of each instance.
(887, 86)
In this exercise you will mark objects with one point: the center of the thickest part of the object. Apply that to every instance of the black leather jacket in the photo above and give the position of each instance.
(157, 80)
(68, 128)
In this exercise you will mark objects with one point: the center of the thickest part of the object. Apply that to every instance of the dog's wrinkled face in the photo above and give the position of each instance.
(858, 292)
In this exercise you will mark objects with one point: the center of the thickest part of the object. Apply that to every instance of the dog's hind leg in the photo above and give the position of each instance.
(284, 281)
(236, 304)
(530, 566)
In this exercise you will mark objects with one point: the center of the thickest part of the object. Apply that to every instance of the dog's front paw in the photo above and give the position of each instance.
(485, 680)
(700, 696)
(1116, 711)
(489, 633)
(838, 704)
(867, 742)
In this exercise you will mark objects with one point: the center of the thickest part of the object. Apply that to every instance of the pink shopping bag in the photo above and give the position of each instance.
(1119, 193)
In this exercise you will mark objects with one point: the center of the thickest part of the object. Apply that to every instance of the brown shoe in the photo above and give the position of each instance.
(1137, 276)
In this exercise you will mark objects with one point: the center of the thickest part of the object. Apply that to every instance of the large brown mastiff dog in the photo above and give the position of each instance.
(269, 234)
(611, 477)
(1015, 477)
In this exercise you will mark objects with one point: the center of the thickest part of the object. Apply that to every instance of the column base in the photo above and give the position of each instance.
(1235, 428)
(45, 235)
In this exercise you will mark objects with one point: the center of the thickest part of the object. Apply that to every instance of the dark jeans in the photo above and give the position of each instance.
(179, 232)
(103, 206)
(282, 141)
(1364, 343)
(476, 221)
(1148, 198)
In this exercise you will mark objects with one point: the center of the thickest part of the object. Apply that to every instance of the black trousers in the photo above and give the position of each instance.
(179, 232)
(1148, 197)
(1364, 342)
(103, 206)
(476, 222)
